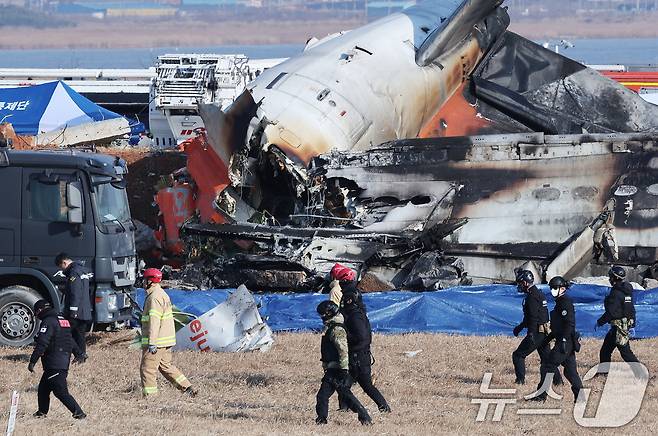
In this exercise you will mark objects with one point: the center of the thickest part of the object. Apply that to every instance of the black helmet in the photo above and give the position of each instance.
(327, 310)
(558, 282)
(40, 306)
(525, 276)
(617, 273)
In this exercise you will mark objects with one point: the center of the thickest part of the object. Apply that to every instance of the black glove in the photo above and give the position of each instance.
(576, 342)
(343, 379)
(562, 346)
(30, 366)
(517, 329)
(600, 322)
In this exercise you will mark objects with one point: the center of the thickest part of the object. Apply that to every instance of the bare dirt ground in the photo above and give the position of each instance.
(147, 171)
(170, 33)
(614, 26)
(274, 392)
(186, 32)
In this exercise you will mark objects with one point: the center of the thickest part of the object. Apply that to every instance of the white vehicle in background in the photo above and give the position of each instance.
(171, 89)
(183, 80)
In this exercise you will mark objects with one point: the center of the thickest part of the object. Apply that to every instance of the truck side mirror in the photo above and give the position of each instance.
(74, 202)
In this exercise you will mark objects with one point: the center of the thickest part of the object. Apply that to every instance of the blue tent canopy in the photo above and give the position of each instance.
(44, 108)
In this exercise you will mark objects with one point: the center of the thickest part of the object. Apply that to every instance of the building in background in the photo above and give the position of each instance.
(548, 8)
(368, 9)
(100, 9)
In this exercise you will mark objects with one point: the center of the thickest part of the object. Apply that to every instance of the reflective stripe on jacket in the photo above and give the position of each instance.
(77, 297)
(158, 319)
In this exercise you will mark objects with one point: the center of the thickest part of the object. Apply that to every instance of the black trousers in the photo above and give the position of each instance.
(330, 385)
(532, 342)
(361, 372)
(79, 332)
(55, 381)
(555, 359)
(609, 345)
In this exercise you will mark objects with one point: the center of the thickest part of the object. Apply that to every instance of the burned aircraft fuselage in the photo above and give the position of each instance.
(494, 202)
(353, 90)
(520, 197)
(318, 167)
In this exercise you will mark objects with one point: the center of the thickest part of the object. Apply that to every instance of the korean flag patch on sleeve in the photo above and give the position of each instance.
(564, 313)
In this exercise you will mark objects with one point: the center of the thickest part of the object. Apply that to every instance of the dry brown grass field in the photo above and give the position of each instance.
(274, 392)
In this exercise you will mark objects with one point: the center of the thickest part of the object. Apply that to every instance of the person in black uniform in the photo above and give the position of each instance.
(359, 338)
(335, 362)
(54, 345)
(620, 314)
(535, 320)
(77, 299)
(563, 330)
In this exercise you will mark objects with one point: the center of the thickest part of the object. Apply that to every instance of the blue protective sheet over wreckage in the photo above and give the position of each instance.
(473, 310)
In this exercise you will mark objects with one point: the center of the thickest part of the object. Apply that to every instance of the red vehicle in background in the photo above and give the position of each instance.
(643, 80)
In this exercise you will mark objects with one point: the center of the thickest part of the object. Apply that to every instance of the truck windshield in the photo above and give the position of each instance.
(112, 203)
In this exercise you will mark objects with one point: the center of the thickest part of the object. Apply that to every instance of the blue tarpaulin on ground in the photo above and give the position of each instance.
(472, 310)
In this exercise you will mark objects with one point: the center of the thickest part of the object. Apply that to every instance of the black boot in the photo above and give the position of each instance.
(365, 419)
(191, 392)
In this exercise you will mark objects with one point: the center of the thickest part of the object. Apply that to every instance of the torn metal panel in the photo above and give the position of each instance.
(320, 254)
(94, 132)
(571, 260)
(433, 270)
(233, 326)
(232, 206)
(227, 130)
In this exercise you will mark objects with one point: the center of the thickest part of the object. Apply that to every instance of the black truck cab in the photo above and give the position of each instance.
(62, 201)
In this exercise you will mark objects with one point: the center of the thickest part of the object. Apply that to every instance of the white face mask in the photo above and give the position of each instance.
(555, 292)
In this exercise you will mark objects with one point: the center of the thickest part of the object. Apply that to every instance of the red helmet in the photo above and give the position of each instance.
(153, 275)
(342, 273)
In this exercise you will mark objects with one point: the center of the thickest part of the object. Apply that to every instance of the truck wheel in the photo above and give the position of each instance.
(18, 324)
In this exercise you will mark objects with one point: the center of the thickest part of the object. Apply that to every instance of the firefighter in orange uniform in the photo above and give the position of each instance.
(158, 337)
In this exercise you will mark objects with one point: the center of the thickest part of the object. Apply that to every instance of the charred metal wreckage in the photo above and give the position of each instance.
(517, 155)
